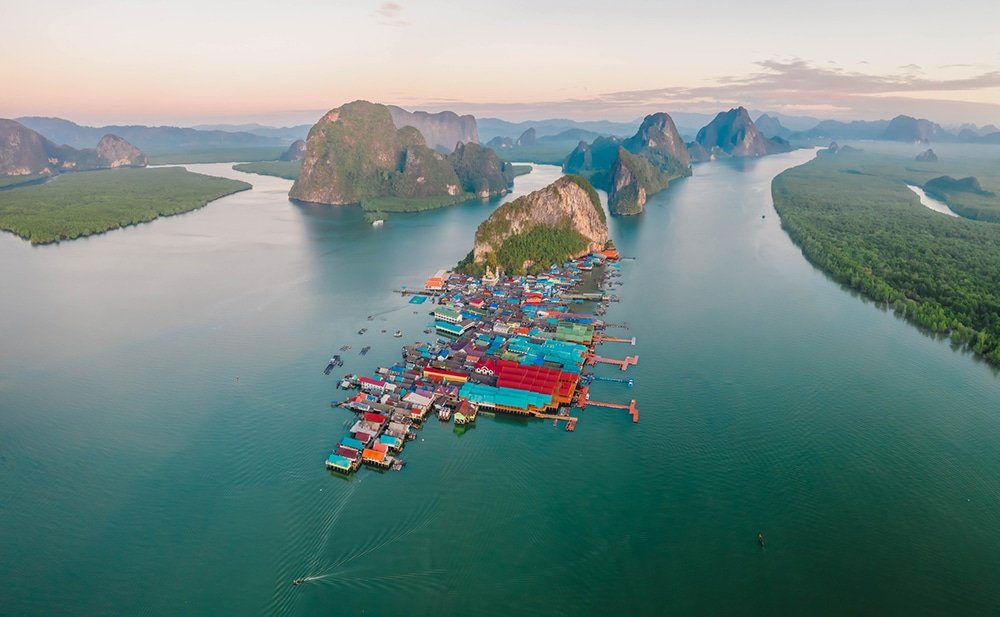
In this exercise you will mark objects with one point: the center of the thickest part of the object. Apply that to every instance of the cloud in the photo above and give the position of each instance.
(797, 84)
(793, 87)
(390, 14)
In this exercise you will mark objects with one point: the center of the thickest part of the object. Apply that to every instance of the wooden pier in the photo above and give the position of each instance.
(622, 364)
(570, 420)
(584, 400)
(596, 296)
(600, 338)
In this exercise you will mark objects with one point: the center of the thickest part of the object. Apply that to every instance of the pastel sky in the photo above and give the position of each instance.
(187, 62)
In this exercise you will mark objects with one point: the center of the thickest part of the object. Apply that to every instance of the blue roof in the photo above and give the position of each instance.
(351, 442)
(339, 461)
(389, 439)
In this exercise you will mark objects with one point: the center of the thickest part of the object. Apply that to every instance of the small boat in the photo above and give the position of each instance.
(365, 349)
(760, 540)
(298, 581)
(362, 330)
(398, 333)
(345, 347)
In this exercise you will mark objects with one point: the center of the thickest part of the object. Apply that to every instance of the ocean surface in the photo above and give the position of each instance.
(164, 419)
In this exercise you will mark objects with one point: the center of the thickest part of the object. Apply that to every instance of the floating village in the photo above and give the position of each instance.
(522, 345)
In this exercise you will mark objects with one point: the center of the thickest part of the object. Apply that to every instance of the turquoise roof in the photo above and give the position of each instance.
(509, 397)
(351, 442)
(339, 461)
(570, 355)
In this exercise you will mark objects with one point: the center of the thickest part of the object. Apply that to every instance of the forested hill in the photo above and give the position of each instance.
(866, 229)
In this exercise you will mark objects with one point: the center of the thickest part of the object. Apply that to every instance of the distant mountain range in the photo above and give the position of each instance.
(287, 133)
(146, 138)
(495, 127)
(901, 128)
(443, 130)
(24, 152)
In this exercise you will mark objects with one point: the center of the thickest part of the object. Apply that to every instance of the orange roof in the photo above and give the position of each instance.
(445, 374)
(374, 455)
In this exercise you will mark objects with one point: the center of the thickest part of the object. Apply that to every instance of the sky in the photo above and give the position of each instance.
(189, 62)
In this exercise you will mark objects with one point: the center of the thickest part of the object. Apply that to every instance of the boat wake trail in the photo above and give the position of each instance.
(338, 566)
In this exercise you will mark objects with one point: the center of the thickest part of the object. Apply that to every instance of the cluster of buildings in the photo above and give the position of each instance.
(506, 344)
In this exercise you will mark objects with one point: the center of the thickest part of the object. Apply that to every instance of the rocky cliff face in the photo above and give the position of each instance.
(626, 193)
(580, 159)
(643, 164)
(480, 170)
(906, 128)
(769, 126)
(116, 152)
(927, 156)
(564, 219)
(733, 133)
(441, 131)
(295, 152)
(24, 152)
(355, 152)
(527, 138)
(500, 142)
(635, 168)
(658, 141)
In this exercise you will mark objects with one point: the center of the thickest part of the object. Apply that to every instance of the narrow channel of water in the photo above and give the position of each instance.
(931, 203)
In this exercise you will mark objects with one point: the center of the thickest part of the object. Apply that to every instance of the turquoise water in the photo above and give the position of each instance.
(164, 419)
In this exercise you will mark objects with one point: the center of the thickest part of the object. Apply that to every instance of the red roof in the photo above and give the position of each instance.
(371, 382)
(377, 418)
(488, 364)
(532, 378)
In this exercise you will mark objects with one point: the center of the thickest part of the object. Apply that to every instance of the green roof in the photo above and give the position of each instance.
(447, 312)
(574, 332)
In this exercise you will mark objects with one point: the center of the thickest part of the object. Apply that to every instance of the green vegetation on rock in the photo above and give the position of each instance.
(854, 218)
(633, 169)
(480, 170)
(356, 155)
(545, 227)
(81, 204)
(540, 247)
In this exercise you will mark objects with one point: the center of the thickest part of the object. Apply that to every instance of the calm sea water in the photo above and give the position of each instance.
(164, 420)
